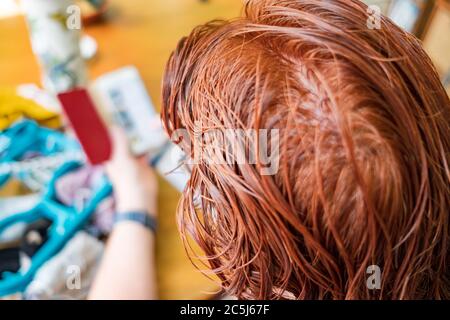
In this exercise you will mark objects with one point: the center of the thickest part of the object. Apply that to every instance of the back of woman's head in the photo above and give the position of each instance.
(362, 178)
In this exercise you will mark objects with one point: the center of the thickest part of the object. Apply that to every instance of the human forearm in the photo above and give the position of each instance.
(127, 269)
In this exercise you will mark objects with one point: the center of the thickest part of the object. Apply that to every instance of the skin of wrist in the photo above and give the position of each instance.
(136, 204)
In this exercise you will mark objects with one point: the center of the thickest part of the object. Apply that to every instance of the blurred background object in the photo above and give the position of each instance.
(9, 8)
(436, 39)
(93, 10)
(55, 43)
(429, 20)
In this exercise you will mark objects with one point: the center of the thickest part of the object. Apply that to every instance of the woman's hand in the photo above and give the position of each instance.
(134, 181)
(127, 270)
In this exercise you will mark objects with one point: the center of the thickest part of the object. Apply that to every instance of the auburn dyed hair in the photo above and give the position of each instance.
(363, 176)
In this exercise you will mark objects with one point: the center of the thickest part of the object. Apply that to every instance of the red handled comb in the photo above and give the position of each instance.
(87, 124)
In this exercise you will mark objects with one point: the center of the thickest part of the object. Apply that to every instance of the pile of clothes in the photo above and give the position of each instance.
(67, 274)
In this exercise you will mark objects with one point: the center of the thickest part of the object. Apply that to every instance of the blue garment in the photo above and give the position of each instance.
(16, 144)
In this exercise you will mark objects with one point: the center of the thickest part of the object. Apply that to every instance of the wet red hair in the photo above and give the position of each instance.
(364, 153)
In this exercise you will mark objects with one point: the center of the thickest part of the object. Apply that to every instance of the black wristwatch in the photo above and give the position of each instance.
(141, 217)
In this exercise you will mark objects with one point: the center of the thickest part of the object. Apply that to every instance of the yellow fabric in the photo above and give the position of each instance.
(14, 107)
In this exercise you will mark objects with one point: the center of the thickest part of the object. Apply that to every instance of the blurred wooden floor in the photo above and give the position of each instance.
(142, 33)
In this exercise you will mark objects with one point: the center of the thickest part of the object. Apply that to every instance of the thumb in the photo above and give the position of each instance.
(119, 140)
